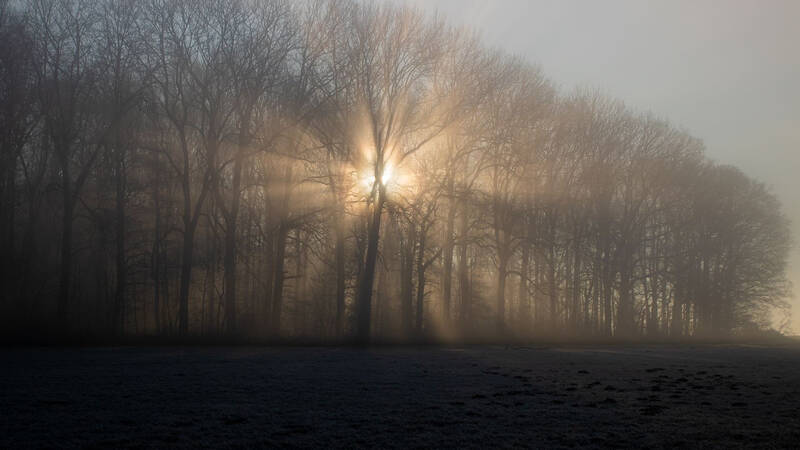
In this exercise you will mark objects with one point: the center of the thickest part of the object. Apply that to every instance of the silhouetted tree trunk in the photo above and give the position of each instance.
(65, 277)
(465, 314)
(269, 282)
(186, 276)
(407, 277)
(231, 214)
(524, 298)
(502, 274)
(279, 277)
(364, 298)
(552, 292)
(119, 233)
(421, 268)
(156, 255)
(447, 264)
(340, 275)
(576, 280)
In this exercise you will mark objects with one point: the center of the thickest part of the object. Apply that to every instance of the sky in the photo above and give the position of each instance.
(728, 71)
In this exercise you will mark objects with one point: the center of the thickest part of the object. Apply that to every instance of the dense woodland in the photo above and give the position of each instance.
(344, 169)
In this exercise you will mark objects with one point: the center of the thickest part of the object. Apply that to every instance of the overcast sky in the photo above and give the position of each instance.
(726, 70)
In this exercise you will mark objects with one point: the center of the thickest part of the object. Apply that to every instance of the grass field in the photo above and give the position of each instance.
(400, 397)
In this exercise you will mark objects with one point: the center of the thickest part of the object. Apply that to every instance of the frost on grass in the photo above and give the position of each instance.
(401, 397)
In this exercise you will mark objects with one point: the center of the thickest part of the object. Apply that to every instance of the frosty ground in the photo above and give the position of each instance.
(559, 396)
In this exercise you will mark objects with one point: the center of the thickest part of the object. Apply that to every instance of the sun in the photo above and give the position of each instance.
(368, 181)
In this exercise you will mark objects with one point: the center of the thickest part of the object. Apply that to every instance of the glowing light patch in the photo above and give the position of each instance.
(387, 174)
(368, 181)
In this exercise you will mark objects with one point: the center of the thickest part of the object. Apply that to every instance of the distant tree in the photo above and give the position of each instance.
(18, 122)
(263, 167)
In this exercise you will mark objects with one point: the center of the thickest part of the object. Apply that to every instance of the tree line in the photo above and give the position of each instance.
(334, 169)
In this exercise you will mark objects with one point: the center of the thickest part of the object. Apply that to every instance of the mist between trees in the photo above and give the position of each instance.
(337, 169)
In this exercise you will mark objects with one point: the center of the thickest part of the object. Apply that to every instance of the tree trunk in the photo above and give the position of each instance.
(229, 263)
(340, 276)
(420, 283)
(300, 301)
(364, 298)
(407, 279)
(576, 282)
(551, 288)
(278, 279)
(538, 262)
(465, 314)
(269, 282)
(156, 262)
(28, 248)
(447, 269)
(524, 299)
(65, 279)
(607, 301)
(231, 219)
(677, 310)
(625, 326)
(186, 275)
(502, 272)
(7, 210)
(121, 271)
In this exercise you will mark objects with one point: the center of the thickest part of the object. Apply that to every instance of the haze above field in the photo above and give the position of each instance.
(725, 70)
(367, 171)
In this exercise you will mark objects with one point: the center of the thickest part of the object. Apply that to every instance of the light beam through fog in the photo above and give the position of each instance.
(724, 69)
(355, 223)
(368, 171)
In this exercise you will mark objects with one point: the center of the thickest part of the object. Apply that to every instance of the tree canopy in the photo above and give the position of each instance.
(334, 169)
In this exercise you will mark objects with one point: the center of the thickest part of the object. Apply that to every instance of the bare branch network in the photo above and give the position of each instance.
(334, 169)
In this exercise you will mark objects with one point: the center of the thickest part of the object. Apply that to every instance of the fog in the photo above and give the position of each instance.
(725, 70)
(373, 171)
(387, 224)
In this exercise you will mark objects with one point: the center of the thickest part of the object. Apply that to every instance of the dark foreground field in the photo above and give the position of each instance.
(621, 396)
